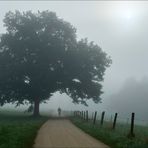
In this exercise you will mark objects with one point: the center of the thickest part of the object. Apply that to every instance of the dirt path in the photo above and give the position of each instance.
(63, 134)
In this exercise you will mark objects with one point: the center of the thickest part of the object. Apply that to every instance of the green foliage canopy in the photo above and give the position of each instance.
(40, 54)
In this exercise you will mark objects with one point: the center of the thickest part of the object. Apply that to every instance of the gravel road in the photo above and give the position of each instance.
(61, 133)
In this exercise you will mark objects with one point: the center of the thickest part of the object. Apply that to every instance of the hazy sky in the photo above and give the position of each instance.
(119, 28)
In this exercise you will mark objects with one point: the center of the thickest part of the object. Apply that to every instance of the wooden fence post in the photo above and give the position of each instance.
(115, 119)
(92, 116)
(95, 117)
(131, 134)
(84, 115)
(87, 115)
(80, 114)
(102, 118)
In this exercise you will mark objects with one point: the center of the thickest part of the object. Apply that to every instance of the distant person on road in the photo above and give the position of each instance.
(59, 111)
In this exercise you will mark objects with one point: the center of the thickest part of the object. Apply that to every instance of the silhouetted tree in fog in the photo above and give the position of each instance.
(40, 54)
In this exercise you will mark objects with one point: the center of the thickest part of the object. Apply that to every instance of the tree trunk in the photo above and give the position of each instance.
(36, 107)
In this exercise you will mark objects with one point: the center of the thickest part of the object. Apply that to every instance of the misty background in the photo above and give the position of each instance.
(120, 29)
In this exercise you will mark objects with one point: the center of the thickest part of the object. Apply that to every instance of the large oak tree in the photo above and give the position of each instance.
(40, 54)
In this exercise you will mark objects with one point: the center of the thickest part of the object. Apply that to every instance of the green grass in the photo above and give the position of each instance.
(115, 138)
(18, 130)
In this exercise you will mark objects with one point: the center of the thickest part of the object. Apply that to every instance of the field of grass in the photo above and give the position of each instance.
(117, 138)
(18, 130)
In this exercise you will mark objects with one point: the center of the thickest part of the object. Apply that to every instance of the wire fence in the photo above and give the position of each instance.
(129, 126)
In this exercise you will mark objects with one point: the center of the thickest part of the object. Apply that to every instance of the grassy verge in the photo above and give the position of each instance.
(115, 139)
(18, 131)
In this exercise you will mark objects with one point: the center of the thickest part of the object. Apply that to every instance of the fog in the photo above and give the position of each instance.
(132, 97)
(120, 29)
